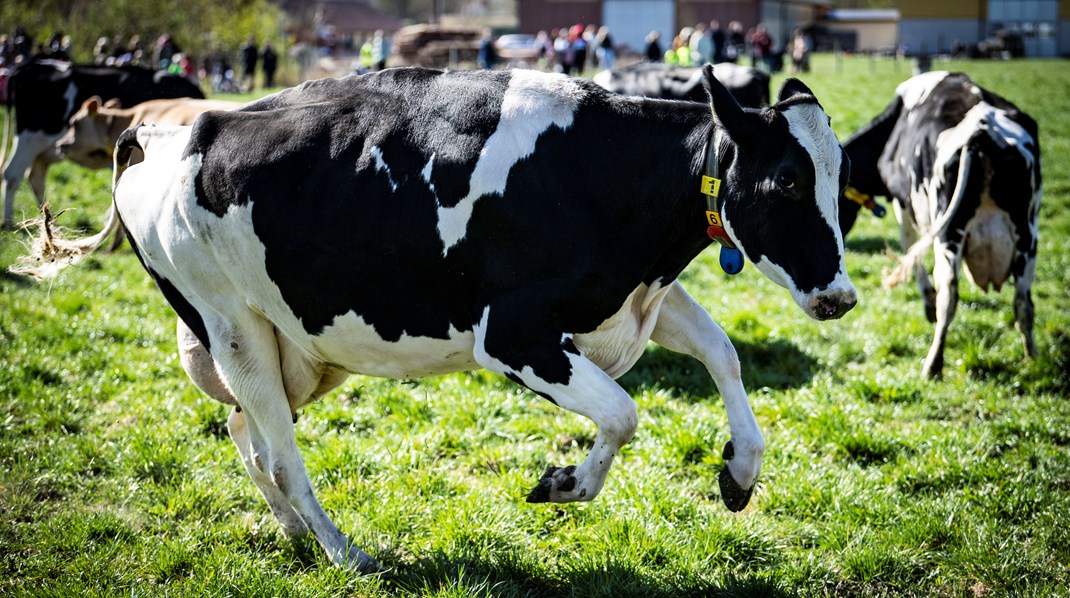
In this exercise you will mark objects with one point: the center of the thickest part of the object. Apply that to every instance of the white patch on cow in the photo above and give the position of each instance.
(620, 340)
(533, 103)
(353, 344)
(70, 95)
(381, 166)
(426, 172)
(809, 125)
(916, 89)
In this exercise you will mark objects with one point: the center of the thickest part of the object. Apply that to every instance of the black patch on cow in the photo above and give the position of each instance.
(39, 89)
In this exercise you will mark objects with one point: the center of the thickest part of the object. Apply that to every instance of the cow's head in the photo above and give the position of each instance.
(86, 141)
(779, 195)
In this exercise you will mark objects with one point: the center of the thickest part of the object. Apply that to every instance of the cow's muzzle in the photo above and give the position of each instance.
(832, 304)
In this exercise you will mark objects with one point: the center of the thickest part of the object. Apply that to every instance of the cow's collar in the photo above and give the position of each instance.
(731, 257)
(864, 200)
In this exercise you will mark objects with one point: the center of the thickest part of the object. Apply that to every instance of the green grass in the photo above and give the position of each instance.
(117, 477)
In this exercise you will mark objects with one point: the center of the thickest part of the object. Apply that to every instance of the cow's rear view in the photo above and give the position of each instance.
(414, 222)
(963, 166)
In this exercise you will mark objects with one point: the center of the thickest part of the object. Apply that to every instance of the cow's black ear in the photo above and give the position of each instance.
(793, 87)
(726, 110)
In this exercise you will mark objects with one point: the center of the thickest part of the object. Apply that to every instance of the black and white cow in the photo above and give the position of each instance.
(749, 86)
(523, 222)
(963, 167)
(46, 93)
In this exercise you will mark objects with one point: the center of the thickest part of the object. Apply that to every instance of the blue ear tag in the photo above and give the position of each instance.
(731, 260)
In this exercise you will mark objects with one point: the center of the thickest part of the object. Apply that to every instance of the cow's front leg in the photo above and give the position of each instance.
(554, 368)
(685, 327)
(945, 272)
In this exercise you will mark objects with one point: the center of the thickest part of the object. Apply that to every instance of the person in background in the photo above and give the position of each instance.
(249, 57)
(800, 52)
(607, 55)
(488, 54)
(563, 51)
(701, 45)
(269, 63)
(717, 39)
(545, 43)
(164, 50)
(736, 42)
(653, 47)
(380, 49)
(762, 46)
(579, 48)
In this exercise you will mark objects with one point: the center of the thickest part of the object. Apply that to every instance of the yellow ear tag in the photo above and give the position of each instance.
(710, 186)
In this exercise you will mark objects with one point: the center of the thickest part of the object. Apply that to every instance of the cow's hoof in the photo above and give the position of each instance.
(361, 562)
(733, 496)
(933, 371)
(556, 479)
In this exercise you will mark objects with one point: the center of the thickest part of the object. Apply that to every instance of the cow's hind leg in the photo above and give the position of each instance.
(554, 368)
(908, 235)
(685, 327)
(201, 369)
(248, 361)
(945, 272)
(1023, 304)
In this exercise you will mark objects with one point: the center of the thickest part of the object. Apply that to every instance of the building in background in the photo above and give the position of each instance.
(630, 21)
(1041, 27)
(860, 30)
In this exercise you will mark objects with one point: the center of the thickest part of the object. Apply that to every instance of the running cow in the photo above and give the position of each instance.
(45, 93)
(963, 168)
(523, 222)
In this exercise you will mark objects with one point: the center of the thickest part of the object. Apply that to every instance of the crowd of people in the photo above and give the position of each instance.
(701, 43)
(214, 72)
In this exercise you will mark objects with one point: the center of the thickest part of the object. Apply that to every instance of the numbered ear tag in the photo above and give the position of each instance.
(731, 260)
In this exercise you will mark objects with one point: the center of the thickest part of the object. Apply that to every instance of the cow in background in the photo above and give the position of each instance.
(45, 93)
(305, 236)
(94, 129)
(749, 86)
(962, 165)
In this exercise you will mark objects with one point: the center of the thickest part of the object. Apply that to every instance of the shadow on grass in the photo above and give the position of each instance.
(869, 245)
(18, 280)
(509, 576)
(773, 364)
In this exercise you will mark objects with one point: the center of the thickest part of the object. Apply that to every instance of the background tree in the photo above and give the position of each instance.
(199, 27)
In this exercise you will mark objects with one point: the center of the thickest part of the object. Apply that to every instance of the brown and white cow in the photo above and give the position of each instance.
(94, 129)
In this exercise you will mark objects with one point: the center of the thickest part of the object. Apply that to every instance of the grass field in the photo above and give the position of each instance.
(117, 476)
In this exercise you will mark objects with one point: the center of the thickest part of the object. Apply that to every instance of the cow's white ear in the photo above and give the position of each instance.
(793, 87)
(727, 112)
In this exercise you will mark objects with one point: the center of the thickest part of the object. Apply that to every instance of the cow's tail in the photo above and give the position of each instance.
(917, 252)
(51, 252)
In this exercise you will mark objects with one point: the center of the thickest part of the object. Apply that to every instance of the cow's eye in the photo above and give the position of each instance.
(785, 181)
